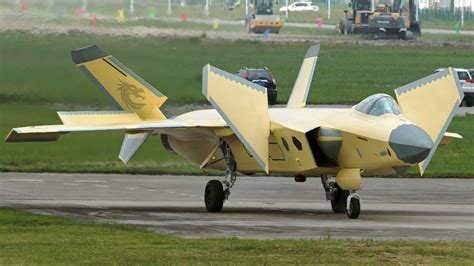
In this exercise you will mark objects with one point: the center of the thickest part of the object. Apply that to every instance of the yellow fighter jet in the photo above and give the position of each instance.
(243, 135)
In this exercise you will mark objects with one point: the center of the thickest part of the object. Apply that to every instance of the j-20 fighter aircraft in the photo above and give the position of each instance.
(241, 134)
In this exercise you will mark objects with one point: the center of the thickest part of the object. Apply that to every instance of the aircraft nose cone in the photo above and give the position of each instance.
(410, 143)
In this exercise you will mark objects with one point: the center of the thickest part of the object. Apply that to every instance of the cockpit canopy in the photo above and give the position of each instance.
(378, 104)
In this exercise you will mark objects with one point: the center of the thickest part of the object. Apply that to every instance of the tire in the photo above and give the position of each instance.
(343, 29)
(272, 98)
(339, 29)
(247, 25)
(354, 208)
(469, 100)
(339, 204)
(214, 196)
(249, 30)
(403, 35)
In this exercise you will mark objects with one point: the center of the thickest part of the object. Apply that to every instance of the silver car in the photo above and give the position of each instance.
(467, 84)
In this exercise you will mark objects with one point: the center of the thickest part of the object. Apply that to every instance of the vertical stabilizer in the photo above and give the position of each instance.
(431, 103)
(244, 107)
(300, 91)
(127, 90)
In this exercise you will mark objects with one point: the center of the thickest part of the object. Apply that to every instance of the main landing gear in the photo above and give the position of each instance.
(347, 201)
(217, 191)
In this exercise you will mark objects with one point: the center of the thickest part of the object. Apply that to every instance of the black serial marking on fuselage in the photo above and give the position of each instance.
(358, 152)
(116, 68)
(361, 138)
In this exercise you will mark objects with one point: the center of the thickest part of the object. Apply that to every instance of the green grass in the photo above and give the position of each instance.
(446, 24)
(82, 152)
(38, 239)
(38, 69)
(456, 158)
(38, 79)
(446, 37)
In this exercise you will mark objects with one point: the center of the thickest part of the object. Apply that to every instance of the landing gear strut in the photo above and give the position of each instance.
(217, 191)
(335, 194)
(342, 201)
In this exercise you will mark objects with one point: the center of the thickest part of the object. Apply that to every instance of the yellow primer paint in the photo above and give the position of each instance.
(303, 81)
(448, 137)
(348, 178)
(277, 140)
(94, 118)
(247, 117)
(127, 91)
(436, 116)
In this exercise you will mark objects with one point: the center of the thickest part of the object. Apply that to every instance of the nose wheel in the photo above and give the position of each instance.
(218, 191)
(342, 201)
(353, 205)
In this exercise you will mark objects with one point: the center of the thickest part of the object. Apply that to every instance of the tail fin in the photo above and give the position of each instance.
(127, 90)
(431, 103)
(244, 107)
(303, 81)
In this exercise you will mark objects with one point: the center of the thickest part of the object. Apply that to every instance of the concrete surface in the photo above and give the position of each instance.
(259, 207)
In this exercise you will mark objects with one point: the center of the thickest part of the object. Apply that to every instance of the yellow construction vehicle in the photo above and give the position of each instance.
(385, 22)
(356, 21)
(262, 18)
(389, 22)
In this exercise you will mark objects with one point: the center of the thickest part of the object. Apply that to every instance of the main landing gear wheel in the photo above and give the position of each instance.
(339, 203)
(217, 192)
(353, 206)
(214, 196)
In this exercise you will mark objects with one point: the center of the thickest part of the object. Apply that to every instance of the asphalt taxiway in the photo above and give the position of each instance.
(259, 207)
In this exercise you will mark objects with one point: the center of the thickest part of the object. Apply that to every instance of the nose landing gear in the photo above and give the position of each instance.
(342, 201)
(217, 191)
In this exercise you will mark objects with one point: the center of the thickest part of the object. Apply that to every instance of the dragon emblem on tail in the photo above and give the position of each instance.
(128, 90)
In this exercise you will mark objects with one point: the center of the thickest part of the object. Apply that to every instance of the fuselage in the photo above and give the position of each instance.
(314, 140)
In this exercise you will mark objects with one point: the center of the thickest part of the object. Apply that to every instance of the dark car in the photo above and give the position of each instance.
(262, 77)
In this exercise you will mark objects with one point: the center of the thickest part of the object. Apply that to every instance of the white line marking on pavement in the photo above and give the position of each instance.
(71, 184)
(26, 180)
(150, 190)
(131, 188)
(90, 181)
(103, 186)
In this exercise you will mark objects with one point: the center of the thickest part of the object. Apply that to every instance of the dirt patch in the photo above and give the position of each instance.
(11, 21)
